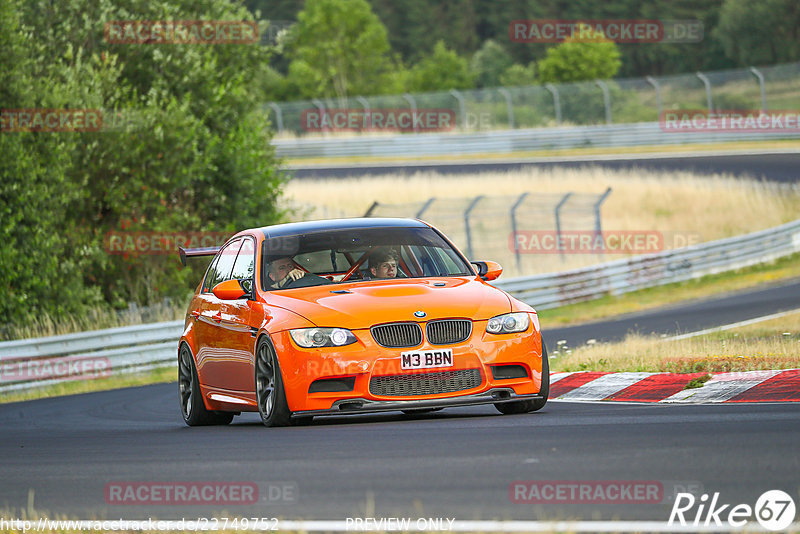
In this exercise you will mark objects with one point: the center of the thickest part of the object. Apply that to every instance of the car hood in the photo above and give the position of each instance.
(374, 302)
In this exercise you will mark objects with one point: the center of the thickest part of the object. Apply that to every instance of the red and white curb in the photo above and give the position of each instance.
(746, 386)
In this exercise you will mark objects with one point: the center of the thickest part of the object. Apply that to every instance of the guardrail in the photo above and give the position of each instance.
(31, 363)
(508, 141)
(621, 276)
(44, 361)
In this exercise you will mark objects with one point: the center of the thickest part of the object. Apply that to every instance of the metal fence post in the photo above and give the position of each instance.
(707, 83)
(413, 104)
(371, 209)
(760, 77)
(556, 101)
(278, 115)
(503, 91)
(424, 208)
(365, 104)
(606, 98)
(558, 222)
(461, 107)
(519, 201)
(466, 224)
(598, 228)
(652, 81)
(321, 108)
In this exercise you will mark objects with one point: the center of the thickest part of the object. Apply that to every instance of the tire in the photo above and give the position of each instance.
(191, 398)
(509, 408)
(270, 394)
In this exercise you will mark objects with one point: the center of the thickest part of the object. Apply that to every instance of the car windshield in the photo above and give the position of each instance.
(361, 254)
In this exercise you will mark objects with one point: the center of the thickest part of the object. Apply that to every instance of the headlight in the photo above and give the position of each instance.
(508, 323)
(322, 337)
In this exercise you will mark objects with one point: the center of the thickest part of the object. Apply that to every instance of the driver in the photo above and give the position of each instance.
(383, 264)
(282, 271)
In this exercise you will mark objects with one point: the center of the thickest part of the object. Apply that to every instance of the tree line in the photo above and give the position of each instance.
(190, 153)
(369, 47)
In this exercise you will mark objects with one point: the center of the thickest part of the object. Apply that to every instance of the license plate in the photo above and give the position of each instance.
(426, 359)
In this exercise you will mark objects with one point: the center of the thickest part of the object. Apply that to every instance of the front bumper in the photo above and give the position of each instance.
(360, 405)
(365, 360)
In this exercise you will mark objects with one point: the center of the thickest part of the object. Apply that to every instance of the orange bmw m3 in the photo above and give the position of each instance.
(353, 316)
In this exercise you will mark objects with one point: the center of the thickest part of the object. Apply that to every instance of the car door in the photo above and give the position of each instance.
(210, 367)
(235, 341)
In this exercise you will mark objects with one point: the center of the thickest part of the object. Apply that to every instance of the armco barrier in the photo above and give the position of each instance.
(155, 345)
(508, 141)
(30, 363)
(621, 276)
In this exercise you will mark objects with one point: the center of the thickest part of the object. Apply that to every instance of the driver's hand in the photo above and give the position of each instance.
(295, 274)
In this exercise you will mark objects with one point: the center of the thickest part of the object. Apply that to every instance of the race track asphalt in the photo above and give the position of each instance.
(777, 167)
(456, 463)
(64, 452)
(684, 317)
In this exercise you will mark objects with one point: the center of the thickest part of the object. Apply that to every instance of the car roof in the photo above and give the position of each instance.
(279, 230)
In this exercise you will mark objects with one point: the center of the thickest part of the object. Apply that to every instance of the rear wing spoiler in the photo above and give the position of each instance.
(192, 252)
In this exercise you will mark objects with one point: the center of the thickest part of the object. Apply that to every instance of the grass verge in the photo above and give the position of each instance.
(156, 376)
(772, 344)
(645, 299)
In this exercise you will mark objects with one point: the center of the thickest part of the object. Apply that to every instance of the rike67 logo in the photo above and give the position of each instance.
(774, 510)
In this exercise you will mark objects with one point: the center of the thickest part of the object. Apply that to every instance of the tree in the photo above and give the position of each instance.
(39, 272)
(340, 48)
(760, 33)
(518, 75)
(587, 56)
(489, 63)
(442, 70)
(191, 152)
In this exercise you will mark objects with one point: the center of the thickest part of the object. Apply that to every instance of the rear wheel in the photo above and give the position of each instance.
(509, 408)
(192, 407)
(270, 394)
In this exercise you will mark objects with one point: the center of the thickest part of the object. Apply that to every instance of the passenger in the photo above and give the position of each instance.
(383, 264)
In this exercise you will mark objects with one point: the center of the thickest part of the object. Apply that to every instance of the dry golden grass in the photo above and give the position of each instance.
(97, 318)
(684, 207)
(773, 344)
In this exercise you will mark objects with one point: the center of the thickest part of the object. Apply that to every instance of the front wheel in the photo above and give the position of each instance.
(192, 407)
(509, 408)
(270, 394)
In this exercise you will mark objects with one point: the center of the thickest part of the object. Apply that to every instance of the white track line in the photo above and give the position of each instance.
(431, 525)
(733, 325)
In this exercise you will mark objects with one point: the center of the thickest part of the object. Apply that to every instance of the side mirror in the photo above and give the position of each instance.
(488, 270)
(230, 290)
